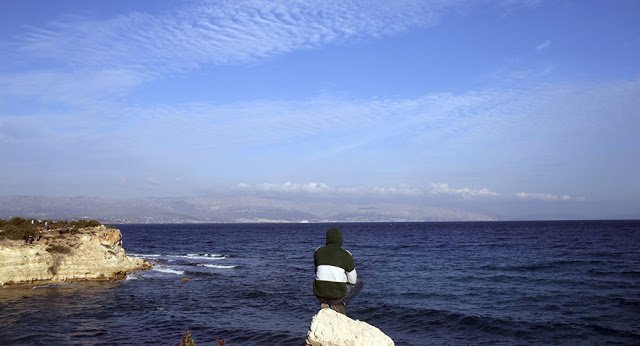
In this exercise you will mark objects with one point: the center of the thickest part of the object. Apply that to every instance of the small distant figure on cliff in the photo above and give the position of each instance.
(334, 270)
(46, 225)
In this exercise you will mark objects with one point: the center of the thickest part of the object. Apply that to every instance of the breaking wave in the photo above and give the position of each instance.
(217, 266)
(163, 269)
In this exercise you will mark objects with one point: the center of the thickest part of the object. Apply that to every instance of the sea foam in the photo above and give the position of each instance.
(168, 270)
(208, 257)
(217, 266)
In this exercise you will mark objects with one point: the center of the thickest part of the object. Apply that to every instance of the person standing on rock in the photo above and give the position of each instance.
(334, 270)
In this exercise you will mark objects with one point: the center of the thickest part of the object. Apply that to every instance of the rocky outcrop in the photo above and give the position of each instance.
(87, 254)
(329, 328)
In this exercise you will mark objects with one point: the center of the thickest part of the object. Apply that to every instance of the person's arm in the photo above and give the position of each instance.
(352, 276)
(315, 264)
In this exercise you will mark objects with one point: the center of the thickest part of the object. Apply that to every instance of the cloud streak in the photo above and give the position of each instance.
(465, 193)
(325, 189)
(542, 46)
(79, 58)
(428, 121)
(71, 101)
(433, 189)
(549, 197)
(366, 133)
(73, 88)
(312, 187)
(221, 32)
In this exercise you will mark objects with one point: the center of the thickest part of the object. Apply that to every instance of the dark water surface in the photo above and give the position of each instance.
(493, 283)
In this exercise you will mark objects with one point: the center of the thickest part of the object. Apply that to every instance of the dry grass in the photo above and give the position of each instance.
(18, 228)
(187, 340)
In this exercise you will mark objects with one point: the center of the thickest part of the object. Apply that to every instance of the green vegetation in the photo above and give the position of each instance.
(74, 224)
(18, 228)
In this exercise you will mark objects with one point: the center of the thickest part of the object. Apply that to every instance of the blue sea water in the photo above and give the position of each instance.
(485, 283)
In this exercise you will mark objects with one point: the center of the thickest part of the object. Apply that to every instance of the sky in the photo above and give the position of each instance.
(516, 109)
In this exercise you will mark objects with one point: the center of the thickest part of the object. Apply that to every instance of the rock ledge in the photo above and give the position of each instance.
(329, 328)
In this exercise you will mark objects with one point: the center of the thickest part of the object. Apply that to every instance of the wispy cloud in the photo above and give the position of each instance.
(401, 189)
(548, 197)
(76, 58)
(220, 32)
(542, 46)
(325, 128)
(326, 189)
(72, 87)
(434, 189)
(312, 187)
(429, 118)
(465, 192)
(508, 7)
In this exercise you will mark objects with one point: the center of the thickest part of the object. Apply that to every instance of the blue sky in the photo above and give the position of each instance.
(499, 107)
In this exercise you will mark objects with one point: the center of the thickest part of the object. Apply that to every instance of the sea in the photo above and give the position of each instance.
(450, 283)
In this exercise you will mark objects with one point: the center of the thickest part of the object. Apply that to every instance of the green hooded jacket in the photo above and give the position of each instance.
(334, 268)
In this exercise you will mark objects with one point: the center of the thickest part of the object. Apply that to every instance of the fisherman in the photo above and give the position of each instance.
(336, 280)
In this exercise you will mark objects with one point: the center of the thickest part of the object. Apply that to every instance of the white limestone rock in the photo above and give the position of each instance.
(329, 328)
(89, 254)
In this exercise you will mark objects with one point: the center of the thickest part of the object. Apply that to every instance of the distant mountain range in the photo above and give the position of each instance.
(210, 209)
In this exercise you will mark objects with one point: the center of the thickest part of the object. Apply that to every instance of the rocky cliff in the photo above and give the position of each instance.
(329, 328)
(87, 254)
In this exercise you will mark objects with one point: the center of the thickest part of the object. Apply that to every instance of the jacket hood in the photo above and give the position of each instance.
(334, 236)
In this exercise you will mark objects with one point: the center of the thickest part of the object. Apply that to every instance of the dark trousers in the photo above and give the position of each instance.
(339, 304)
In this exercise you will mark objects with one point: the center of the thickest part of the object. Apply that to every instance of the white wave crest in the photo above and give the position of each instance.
(217, 266)
(168, 270)
(202, 256)
(206, 255)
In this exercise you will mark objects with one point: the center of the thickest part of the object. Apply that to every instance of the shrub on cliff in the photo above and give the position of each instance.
(17, 228)
(74, 224)
(84, 223)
